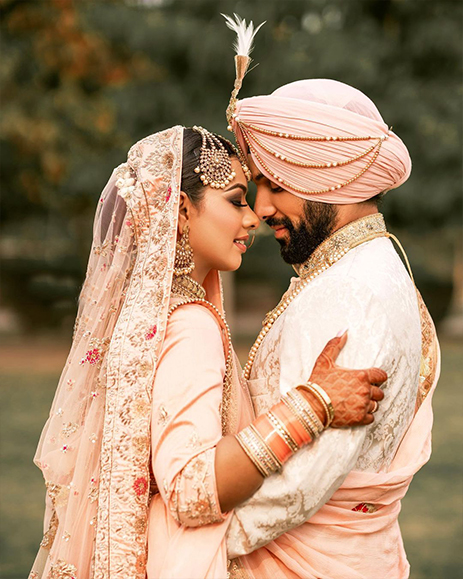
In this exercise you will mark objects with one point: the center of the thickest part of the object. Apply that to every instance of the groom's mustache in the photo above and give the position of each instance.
(284, 222)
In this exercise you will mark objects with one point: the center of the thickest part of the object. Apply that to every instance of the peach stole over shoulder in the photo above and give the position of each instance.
(339, 542)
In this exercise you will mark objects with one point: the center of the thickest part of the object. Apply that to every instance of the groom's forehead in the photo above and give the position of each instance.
(257, 175)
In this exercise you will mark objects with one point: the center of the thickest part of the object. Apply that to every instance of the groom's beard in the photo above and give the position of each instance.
(317, 223)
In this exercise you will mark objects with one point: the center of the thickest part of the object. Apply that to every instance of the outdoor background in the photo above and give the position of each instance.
(82, 81)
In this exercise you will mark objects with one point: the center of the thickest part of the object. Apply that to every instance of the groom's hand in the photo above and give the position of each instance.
(354, 393)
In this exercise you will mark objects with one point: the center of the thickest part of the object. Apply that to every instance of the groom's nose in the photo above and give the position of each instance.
(263, 205)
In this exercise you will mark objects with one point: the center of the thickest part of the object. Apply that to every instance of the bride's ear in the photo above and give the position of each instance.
(184, 211)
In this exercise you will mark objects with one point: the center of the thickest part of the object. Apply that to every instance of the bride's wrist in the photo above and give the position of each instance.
(314, 402)
(323, 399)
(289, 425)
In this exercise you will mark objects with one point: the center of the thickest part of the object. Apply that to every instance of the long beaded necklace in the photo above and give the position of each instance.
(326, 255)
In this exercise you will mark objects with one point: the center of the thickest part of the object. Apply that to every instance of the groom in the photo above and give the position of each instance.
(321, 157)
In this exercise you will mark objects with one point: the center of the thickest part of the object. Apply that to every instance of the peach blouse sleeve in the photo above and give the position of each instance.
(186, 416)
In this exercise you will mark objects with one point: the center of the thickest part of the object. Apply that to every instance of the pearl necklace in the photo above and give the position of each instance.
(326, 255)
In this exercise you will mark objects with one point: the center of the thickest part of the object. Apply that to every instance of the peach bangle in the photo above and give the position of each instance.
(271, 437)
(298, 433)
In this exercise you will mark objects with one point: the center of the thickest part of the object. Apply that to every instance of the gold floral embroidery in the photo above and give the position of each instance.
(68, 429)
(62, 570)
(140, 525)
(235, 570)
(429, 352)
(343, 240)
(193, 441)
(59, 494)
(101, 249)
(94, 355)
(163, 415)
(141, 444)
(50, 534)
(93, 494)
(140, 407)
(200, 508)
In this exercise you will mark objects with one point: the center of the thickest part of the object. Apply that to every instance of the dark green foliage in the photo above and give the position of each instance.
(82, 81)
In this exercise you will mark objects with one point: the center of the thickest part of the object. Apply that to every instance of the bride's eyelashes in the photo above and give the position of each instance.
(237, 201)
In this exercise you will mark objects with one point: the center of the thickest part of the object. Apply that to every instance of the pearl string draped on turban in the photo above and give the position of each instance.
(328, 124)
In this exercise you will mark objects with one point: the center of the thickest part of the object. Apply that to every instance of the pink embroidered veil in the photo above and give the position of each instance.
(94, 450)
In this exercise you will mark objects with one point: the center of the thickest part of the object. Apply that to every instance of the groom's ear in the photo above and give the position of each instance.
(184, 211)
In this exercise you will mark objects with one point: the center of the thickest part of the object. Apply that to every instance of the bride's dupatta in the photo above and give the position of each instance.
(94, 451)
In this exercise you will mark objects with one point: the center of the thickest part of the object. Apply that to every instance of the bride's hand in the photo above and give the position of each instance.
(354, 394)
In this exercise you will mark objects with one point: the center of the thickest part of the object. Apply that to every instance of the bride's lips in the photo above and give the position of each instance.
(239, 243)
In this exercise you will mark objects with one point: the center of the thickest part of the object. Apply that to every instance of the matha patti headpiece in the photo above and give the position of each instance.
(214, 167)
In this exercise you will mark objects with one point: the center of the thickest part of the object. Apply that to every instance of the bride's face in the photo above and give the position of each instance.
(220, 225)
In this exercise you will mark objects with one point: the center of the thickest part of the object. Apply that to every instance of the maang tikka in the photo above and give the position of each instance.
(214, 167)
(184, 263)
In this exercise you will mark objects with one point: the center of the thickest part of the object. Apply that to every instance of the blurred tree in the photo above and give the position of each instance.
(82, 81)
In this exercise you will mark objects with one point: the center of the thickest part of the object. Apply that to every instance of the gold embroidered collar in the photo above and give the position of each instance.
(340, 242)
(187, 287)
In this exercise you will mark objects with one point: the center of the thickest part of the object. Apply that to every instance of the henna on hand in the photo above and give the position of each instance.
(351, 391)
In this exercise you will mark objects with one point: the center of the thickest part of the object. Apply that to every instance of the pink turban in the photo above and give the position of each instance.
(355, 157)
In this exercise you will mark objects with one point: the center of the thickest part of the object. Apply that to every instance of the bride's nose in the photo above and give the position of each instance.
(250, 221)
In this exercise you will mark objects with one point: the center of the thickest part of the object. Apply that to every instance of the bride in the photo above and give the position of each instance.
(151, 440)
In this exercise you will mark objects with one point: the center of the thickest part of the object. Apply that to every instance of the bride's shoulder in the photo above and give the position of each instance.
(192, 315)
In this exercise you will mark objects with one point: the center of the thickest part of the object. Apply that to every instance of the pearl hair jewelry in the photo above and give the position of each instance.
(214, 167)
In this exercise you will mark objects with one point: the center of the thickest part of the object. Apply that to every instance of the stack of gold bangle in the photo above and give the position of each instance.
(288, 426)
(258, 451)
(300, 405)
(323, 398)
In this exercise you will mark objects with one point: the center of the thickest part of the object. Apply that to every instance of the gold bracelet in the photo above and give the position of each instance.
(276, 464)
(298, 410)
(323, 398)
(310, 415)
(299, 415)
(258, 451)
(250, 448)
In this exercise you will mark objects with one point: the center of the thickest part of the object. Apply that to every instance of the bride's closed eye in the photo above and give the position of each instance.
(237, 201)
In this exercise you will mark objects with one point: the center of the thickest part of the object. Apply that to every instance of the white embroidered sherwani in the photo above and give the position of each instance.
(369, 292)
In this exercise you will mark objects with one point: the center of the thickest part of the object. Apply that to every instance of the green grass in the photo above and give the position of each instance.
(431, 517)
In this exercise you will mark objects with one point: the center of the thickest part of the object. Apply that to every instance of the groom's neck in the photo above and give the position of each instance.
(352, 212)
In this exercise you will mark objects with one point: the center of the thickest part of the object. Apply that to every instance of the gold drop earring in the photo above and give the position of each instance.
(184, 263)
